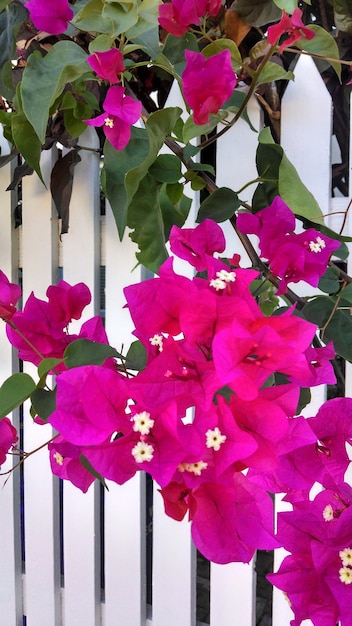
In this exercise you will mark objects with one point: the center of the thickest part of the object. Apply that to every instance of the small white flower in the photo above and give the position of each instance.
(217, 283)
(196, 468)
(222, 279)
(345, 574)
(142, 452)
(157, 340)
(214, 439)
(58, 458)
(142, 423)
(109, 122)
(318, 245)
(328, 513)
(346, 556)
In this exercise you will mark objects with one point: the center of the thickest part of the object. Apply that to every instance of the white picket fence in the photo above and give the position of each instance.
(55, 542)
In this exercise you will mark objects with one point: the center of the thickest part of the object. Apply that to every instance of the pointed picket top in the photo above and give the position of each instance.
(306, 129)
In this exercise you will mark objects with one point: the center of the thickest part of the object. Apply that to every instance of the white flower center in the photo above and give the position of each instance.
(346, 556)
(328, 513)
(142, 423)
(345, 574)
(222, 279)
(142, 452)
(195, 468)
(318, 245)
(214, 439)
(58, 458)
(109, 122)
(157, 340)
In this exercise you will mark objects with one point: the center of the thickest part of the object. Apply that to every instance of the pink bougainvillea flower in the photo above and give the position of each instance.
(65, 463)
(177, 16)
(207, 83)
(292, 257)
(9, 295)
(8, 437)
(291, 26)
(120, 112)
(107, 65)
(66, 302)
(51, 17)
(90, 405)
(195, 245)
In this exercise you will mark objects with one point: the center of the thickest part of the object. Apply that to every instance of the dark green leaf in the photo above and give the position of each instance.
(335, 319)
(136, 358)
(173, 213)
(234, 103)
(219, 206)
(116, 166)
(46, 366)
(25, 138)
(281, 178)
(166, 168)
(11, 16)
(159, 126)
(346, 293)
(174, 50)
(89, 467)
(146, 221)
(61, 181)
(329, 283)
(343, 15)
(43, 402)
(258, 12)
(15, 390)
(86, 352)
(44, 79)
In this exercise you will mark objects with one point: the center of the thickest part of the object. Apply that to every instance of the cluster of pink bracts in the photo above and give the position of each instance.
(204, 417)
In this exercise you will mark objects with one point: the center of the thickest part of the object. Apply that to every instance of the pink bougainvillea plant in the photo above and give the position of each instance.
(209, 399)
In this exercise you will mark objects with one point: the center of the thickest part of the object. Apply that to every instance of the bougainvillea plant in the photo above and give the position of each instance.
(211, 408)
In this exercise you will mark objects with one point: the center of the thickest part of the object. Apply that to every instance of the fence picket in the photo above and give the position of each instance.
(80, 257)
(39, 260)
(10, 538)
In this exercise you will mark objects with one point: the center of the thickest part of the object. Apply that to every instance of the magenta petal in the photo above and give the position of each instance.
(50, 16)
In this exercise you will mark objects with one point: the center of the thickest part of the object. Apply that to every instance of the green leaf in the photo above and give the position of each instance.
(174, 50)
(136, 357)
(192, 130)
(272, 72)
(11, 17)
(224, 44)
(287, 5)
(121, 16)
(90, 18)
(25, 138)
(343, 15)
(346, 293)
(43, 402)
(86, 352)
(337, 323)
(329, 282)
(282, 179)
(173, 213)
(44, 79)
(258, 12)
(234, 103)
(174, 192)
(322, 44)
(46, 366)
(166, 168)
(15, 390)
(89, 467)
(146, 221)
(219, 206)
(159, 126)
(116, 166)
